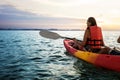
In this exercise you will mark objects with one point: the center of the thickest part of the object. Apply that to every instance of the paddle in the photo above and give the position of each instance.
(51, 35)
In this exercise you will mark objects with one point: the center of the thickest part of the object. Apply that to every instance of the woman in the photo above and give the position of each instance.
(93, 40)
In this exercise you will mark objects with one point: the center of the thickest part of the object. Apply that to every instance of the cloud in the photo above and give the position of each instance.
(66, 8)
(10, 17)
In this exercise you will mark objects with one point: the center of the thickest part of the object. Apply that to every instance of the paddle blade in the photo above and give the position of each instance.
(48, 34)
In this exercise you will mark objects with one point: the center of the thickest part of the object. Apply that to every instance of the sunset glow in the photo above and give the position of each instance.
(107, 13)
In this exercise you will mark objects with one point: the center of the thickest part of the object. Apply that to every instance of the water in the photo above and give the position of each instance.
(25, 55)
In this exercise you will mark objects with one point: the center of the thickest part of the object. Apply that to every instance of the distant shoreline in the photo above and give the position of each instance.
(47, 29)
(53, 29)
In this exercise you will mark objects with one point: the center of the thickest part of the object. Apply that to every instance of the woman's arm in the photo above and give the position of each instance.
(86, 35)
(103, 44)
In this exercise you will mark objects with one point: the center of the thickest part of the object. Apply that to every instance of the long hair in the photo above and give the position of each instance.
(92, 21)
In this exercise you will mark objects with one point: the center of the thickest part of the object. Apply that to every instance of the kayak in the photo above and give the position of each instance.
(108, 61)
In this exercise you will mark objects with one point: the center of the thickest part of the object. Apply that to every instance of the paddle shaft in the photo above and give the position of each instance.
(51, 35)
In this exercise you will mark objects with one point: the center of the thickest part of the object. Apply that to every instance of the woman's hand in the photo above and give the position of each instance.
(118, 40)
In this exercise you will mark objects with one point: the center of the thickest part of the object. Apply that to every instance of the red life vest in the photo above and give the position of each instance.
(96, 38)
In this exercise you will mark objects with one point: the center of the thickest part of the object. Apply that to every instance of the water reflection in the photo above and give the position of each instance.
(91, 72)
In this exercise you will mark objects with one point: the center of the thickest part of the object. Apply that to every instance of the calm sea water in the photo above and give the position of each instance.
(25, 55)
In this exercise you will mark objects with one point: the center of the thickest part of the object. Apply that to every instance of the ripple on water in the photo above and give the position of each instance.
(39, 50)
(55, 56)
(44, 74)
(2, 41)
(64, 59)
(17, 41)
(35, 58)
(2, 45)
(56, 52)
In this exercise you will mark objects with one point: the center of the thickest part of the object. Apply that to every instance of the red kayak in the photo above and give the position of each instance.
(107, 61)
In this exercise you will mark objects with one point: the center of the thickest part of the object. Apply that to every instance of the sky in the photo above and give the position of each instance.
(71, 14)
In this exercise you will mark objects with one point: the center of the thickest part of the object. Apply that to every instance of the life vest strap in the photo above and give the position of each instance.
(94, 42)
